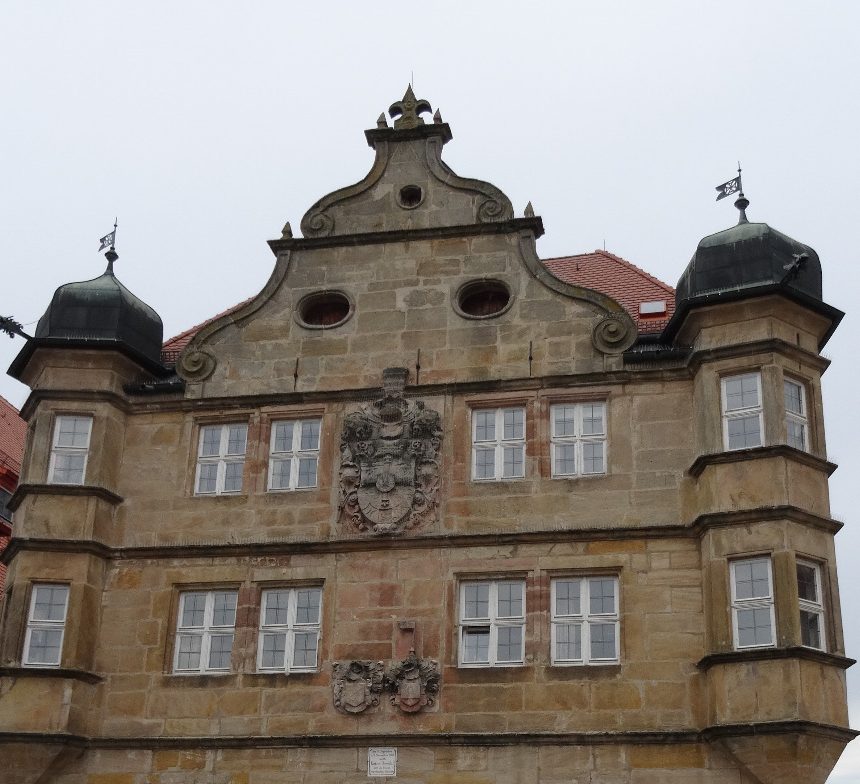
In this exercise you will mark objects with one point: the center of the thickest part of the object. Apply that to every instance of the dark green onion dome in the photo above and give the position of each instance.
(746, 258)
(102, 311)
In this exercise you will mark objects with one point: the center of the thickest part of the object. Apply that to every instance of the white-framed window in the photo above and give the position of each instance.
(811, 605)
(753, 619)
(578, 439)
(492, 623)
(69, 450)
(294, 453)
(46, 625)
(585, 628)
(743, 422)
(498, 443)
(289, 629)
(204, 631)
(796, 421)
(221, 458)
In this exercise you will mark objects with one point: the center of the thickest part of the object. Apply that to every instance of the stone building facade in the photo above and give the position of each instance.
(421, 503)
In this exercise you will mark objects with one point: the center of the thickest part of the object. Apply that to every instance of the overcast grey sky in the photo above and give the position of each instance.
(206, 125)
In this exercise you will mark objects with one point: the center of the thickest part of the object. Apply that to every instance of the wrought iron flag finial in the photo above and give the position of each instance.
(12, 327)
(406, 112)
(109, 240)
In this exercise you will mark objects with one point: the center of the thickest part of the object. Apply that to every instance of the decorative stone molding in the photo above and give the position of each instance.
(414, 683)
(613, 334)
(389, 471)
(196, 365)
(357, 685)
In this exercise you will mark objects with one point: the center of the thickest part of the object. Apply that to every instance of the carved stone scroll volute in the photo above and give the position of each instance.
(389, 471)
(413, 683)
(357, 685)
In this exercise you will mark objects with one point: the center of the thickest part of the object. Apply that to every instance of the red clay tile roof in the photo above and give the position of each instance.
(13, 431)
(619, 279)
(600, 270)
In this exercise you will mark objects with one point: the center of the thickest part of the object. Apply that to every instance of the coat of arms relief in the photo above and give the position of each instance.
(412, 684)
(389, 470)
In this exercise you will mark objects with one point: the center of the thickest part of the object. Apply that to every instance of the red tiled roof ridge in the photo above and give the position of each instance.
(183, 338)
(615, 257)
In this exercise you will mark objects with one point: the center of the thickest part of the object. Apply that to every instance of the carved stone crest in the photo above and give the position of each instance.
(389, 472)
(357, 685)
(414, 683)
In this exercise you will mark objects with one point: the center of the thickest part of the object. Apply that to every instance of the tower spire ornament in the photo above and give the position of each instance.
(406, 112)
(109, 239)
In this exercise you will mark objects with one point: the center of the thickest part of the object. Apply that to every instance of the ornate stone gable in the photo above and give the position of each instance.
(357, 685)
(389, 471)
(414, 683)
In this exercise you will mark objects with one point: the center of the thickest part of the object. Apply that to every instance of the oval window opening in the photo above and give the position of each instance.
(410, 196)
(484, 299)
(324, 310)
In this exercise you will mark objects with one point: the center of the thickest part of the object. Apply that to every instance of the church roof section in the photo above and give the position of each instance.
(649, 301)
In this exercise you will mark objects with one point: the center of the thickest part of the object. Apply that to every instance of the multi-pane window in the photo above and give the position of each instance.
(221, 458)
(752, 603)
(492, 623)
(585, 620)
(46, 624)
(743, 425)
(294, 454)
(289, 629)
(811, 605)
(796, 421)
(69, 449)
(498, 443)
(578, 435)
(204, 631)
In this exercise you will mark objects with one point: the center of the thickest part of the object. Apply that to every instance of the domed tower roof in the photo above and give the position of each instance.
(747, 257)
(98, 313)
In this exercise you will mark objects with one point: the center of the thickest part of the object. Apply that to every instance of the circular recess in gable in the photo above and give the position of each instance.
(410, 196)
(483, 299)
(323, 310)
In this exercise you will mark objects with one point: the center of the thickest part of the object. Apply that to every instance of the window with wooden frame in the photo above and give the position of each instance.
(809, 597)
(753, 620)
(578, 439)
(46, 625)
(492, 623)
(796, 419)
(289, 629)
(585, 620)
(294, 452)
(743, 420)
(69, 450)
(205, 629)
(221, 459)
(498, 443)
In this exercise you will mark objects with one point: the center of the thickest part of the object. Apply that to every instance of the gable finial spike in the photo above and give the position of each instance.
(381, 122)
(406, 112)
(529, 211)
(437, 117)
(287, 231)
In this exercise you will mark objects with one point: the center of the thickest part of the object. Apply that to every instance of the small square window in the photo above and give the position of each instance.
(46, 626)
(204, 631)
(289, 629)
(578, 439)
(294, 454)
(492, 623)
(498, 444)
(752, 603)
(221, 459)
(743, 424)
(585, 620)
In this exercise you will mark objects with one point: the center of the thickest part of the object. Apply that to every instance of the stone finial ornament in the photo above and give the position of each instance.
(529, 211)
(437, 117)
(389, 470)
(381, 122)
(356, 685)
(406, 112)
(287, 231)
(414, 683)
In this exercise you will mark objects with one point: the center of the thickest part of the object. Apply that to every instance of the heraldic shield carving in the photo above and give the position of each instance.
(389, 470)
(414, 683)
(357, 685)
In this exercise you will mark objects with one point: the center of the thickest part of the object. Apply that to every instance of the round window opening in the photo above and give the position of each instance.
(324, 310)
(483, 299)
(410, 196)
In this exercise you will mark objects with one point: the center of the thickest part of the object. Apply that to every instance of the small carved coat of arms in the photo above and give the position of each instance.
(389, 471)
(357, 685)
(414, 683)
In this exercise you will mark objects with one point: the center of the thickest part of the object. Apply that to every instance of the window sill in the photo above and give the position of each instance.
(71, 673)
(760, 452)
(770, 654)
